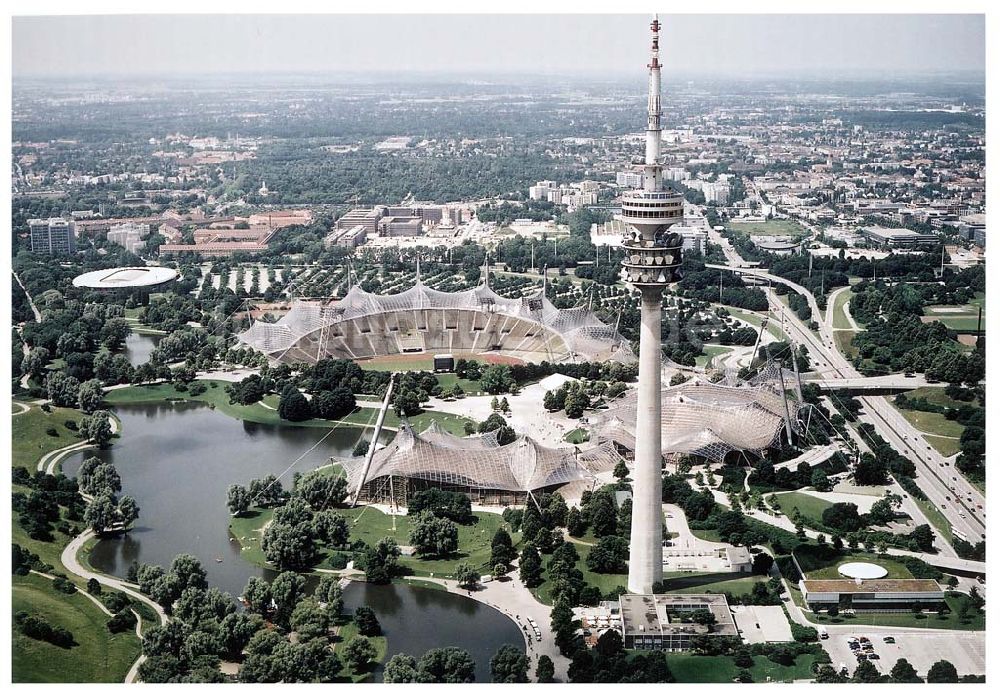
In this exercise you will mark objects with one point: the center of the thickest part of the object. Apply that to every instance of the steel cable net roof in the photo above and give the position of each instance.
(421, 319)
(709, 419)
(479, 462)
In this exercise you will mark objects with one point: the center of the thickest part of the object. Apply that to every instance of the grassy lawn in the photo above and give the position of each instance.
(949, 621)
(29, 439)
(770, 228)
(348, 631)
(817, 567)
(98, 656)
(935, 517)
(839, 316)
(247, 530)
(945, 445)
(469, 386)
(756, 320)
(699, 669)
(843, 341)
(962, 323)
(577, 436)
(809, 506)
(710, 353)
(936, 395)
(605, 582)
(733, 583)
(932, 423)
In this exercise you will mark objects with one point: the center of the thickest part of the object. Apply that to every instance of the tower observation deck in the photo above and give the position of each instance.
(652, 257)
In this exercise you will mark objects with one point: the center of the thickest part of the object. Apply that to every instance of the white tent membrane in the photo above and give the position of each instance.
(423, 320)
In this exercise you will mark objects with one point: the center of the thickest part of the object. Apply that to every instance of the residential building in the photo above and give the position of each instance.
(129, 235)
(54, 237)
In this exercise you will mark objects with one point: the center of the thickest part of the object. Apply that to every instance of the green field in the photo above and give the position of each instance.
(843, 341)
(936, 395)
(949, 621)
(469, 386)
(945, 445)
(29, 439)
(809, 506)
(770, 228)
(935, 517)
(711, 352)
(733, 583)
(702, 669)
(756, 320)
(98, 656)
(816, 567)
(840, 320)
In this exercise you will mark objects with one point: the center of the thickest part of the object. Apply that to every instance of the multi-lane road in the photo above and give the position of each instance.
(962, 504)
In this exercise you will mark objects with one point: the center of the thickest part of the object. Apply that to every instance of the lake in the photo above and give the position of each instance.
(178, 459)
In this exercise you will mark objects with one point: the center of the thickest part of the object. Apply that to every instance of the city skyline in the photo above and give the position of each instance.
(761, 45)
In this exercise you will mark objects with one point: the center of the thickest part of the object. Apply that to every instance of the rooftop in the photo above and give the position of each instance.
(879, 585)
(660, 614)
(125, 277)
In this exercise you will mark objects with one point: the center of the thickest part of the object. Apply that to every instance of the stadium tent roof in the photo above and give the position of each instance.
(709, 419)
(479, 462)
(586, 337)
(125, 277)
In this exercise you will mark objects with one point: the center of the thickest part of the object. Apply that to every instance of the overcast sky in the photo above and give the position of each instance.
(716, 44)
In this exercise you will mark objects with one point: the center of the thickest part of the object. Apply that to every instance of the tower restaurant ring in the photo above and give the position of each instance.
(862, 571)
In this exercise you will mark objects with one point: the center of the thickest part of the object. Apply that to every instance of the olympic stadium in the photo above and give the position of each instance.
(479, 467)
(421, 320)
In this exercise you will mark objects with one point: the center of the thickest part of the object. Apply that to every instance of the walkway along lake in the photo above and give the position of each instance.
(178, 459)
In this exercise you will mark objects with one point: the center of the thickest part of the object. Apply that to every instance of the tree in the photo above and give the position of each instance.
(608, 555)
(502, 549)
(446, 666)
(128, 512)
(400, 669)
(358, 652)
(34, 362)
(497, 379)
(903, 672)
(101, 513)
(328, 592)
(434, 536)
(238, 499)
(545, 670)
(334, 404)
(621, 471)
(90, 395)
(530, 566)
(942, 672)
(576, 523)
(320, 490)
(380, 561)
(257, 595)
(293, 405)
(62, 389)
(97, 428)
(466, 575)
(866, 673)
(844, 517)
(286, 591)
(367, 622)
(509, 666)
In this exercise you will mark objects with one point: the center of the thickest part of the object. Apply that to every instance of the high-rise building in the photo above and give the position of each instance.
(629, 179)
(129, 235)
(55, 236)
(652, 256)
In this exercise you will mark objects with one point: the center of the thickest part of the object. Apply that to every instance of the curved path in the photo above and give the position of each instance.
(48, 461)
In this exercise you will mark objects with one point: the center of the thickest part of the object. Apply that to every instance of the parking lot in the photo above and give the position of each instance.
(964, 649)
(758, 624)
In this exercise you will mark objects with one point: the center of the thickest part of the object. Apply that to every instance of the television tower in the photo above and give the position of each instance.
(652, 257)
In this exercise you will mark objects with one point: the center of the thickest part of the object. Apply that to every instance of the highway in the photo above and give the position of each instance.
(960, 502)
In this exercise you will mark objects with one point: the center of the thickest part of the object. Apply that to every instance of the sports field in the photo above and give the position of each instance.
(770, 228)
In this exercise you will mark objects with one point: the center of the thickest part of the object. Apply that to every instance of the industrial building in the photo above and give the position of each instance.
(53, 237)
(664, 621)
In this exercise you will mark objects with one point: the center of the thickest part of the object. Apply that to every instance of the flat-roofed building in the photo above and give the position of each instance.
(400, 226)
(666, 621)
(54, 236)
(876, 595)
(899, 238)
(129, 235)
(352, 238)
(367, 217)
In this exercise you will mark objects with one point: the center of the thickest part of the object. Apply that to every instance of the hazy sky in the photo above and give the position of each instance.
(720, 44)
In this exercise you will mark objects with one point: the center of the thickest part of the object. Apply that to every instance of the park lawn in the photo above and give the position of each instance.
(605, 582)
(471, 387)
(840, 320)
(247, 529)
(98, 656)
(947, 446)
(932, 423)
(757, 320)
(707, 535)
(843, 341)
(474, 540)
(29, 439)
(962, 323)
(937, 396)
(454, 424)
(768, 228)
(688, 668)
(710, 353)
(818, 568)
(949, 621)
(733, 583)
(577, 436)
(348, 631)
(936, 518)
(810, 507)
